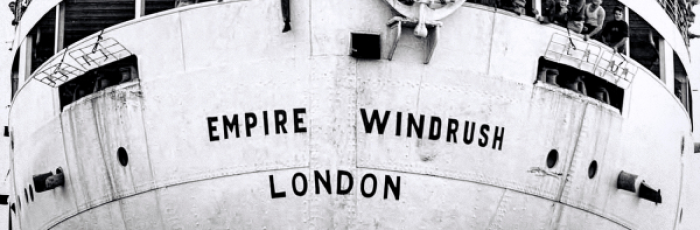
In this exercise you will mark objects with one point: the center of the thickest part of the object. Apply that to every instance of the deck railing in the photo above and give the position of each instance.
(679, 14)
(598, 60)
(61, 68)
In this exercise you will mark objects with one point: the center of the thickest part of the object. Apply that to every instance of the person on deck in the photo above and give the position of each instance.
(181, 3)
(595, 15)
(516, 6)
(616, 32)
(576, 15)
(556, 11)
(564, 13)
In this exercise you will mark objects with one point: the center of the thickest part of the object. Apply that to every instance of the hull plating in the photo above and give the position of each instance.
(190, 167)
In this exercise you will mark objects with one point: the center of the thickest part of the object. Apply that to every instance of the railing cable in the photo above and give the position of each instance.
(97, 43)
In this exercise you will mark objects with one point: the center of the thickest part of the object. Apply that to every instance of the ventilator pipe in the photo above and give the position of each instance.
(626, 181)
(47, 181)
(648, 193)
(55, 181)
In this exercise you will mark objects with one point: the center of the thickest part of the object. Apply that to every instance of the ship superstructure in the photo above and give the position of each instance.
(364, 114)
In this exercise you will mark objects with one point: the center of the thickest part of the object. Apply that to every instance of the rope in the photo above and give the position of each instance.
(59, 64)
(97, 43)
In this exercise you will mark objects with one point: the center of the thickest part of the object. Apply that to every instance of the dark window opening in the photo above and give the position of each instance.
(552, 11)
(155, 6)
(122, 71)
(83, 18)
(520, 7)
(644, 43)
(689, 106)
(366, 46)
(580, 81)
(681, 85)
(14, 80)
(43, 39)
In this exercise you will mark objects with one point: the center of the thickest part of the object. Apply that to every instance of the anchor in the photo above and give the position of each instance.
(423, 16)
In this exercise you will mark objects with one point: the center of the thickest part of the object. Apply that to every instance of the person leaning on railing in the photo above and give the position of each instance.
(595, 15)
(576, 15)
(564, 13)
(555, 11)
(516, 6)
(616, 32)
(181, 3)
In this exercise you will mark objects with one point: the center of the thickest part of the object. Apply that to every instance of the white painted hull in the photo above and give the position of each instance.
(210, 61)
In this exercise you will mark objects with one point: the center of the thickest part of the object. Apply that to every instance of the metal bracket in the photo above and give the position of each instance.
(433, 36)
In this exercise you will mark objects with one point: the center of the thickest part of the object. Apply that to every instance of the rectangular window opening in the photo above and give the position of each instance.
(522, 7)
(115, 73)
(155, 6)
(681, 85)
(568, 77)
(644, 43)
(43, 35)
(83, 18)
(14, 80)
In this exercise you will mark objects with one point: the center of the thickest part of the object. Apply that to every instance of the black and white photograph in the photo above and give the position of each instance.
(349, 114)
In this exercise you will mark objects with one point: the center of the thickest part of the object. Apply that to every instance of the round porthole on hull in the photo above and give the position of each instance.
(552, 158)
(592, 169)
(122, 156)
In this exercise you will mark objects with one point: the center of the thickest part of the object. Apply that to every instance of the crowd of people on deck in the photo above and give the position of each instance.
(588, 20)
(577, 16)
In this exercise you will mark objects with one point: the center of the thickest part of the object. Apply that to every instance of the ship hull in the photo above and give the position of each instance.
(226, 129)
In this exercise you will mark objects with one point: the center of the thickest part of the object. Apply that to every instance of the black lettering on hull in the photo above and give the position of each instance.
(344, 185)
(485, 135)
(250, 120)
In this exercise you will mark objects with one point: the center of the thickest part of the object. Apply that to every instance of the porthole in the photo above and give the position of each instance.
(19, 203)
(26, 196)
(122, 156)
(552, 158)
(31, 192)
(592, 169)
(680, 217)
